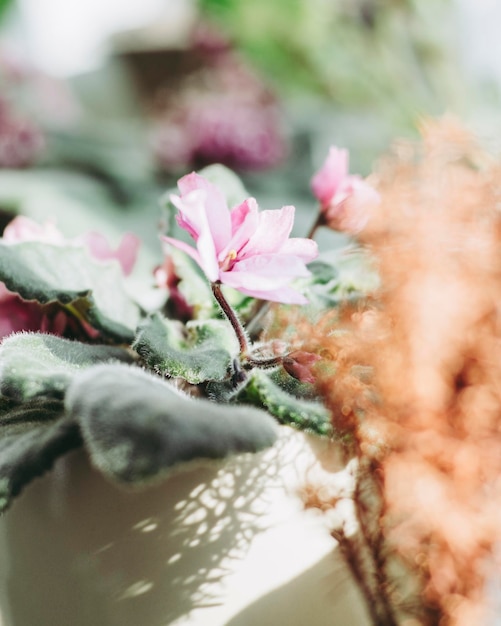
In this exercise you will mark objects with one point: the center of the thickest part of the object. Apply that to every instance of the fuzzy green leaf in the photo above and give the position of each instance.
(68, 275)
(137, 426)
(306, 415)
(35, 364)
(197, 352)
(338, 276)
(32, 436)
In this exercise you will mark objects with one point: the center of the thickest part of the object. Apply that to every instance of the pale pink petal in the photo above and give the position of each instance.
(239, 213)
(184, 247)
(326, 181)
(247, 219)
(22, 228)
(363, 191)
(264, 275)
(284, 294)
(305, 249)
(125, 254)
(185, 225)
(272, 232)
(193, 209)
(351, 207)
(272, 265)
(216, 208)
(191, 216)
(249, 280)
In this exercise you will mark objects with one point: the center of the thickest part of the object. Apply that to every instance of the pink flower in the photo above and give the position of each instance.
(125, 254)
(242, 247)
(22, 228)
(17, 314)
(345, 199)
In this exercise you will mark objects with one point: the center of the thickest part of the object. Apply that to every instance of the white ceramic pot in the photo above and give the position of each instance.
(214, 544)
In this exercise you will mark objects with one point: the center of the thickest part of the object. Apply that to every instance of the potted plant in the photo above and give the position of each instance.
(190, 400)
(299, 444)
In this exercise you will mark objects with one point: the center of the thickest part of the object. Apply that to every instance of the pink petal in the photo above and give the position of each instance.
(125, 254)
(191, 216)
(240, 213)
(305, 249)
(267, 277)
(22, 228)
(246, 218)
(272, 265)
(351, 207)
(272, 232)
(215, 206)
(184, 247)
(185, 225)
(326, 181)
(192, 208)
(284, 294)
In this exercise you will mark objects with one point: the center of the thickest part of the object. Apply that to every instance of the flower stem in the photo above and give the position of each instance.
(264, 363)
(232, 318)
(320, 221)
(246, 359)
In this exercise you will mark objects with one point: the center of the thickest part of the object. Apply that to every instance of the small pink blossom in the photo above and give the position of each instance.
(125, 254)
(17, 314)
(22, 228)
(243, 248)
(345, 199)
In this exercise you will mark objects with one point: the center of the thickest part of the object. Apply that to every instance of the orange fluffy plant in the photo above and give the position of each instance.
(414, 381)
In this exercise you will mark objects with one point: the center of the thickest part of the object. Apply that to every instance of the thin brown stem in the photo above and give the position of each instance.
(247, 361)
(232, 318)
(264, 363)
(320, 221)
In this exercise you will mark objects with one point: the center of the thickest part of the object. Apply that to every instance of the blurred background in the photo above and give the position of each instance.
(104, 103)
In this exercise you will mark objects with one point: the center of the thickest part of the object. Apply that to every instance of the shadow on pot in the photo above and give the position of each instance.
(79, 551)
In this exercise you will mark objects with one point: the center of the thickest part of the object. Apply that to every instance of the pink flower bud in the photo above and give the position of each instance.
(345, 199)
(299, 365)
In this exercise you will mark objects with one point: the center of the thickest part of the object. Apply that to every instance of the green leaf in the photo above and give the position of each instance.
(306, 415)
(338, 276)
(68, 275)
(35, 364)
(4, 5)
(197, 352)
(137, 426)
(32, 436)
